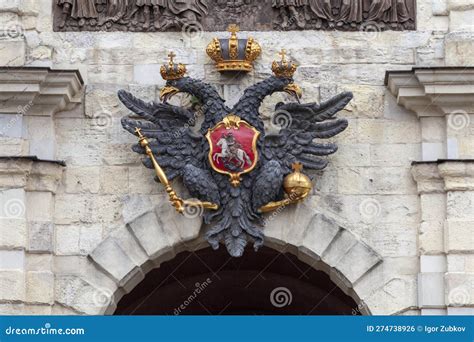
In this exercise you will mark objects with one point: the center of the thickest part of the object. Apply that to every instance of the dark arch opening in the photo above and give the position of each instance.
(260, 283)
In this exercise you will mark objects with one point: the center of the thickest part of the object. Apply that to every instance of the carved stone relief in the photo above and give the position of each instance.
(252, 15)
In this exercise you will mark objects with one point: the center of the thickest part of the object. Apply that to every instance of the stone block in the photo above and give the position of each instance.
(12, 53)
(12, 260)
(40, 237)
(39, 262)
(82, 180)
(135, 252)
(111, 74)
(432, 207)
(178, 228)
(141, 181)
(12, 285)
(12, 233)
(433, 264)
(73, 208)
(433, 151)
(12, 204)
(146, 74)
(41, 137)
(461, 263)
(150, 234)
(460, 205)
(114, 180)
(40, 287)
(459, 49)
(359, 260)
(461, 20)
(114, 260)
(431, 290)
(387, 155)
(11, 126)
(431, 237)
(67, 239)
(459, 236)
(338, 248)
(135, 206)
(40, 206)
(319, 235)
(77, 239)
(395, 239)
(90, 237)
(433, 129)
(79, 295)
(397, 295)
(459, 289)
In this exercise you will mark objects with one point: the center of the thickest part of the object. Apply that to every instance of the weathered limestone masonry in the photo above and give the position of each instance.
(391, 220)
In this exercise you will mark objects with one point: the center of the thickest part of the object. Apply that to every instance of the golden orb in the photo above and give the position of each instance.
(297, 183)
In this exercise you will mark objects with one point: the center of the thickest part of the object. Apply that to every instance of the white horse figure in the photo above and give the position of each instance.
(239, 154)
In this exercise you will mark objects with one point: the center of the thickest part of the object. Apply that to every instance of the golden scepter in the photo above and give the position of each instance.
(177, 202)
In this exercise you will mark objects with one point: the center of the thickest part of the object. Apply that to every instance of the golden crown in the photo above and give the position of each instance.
(284, 68)
(172, 71)
(234, 54)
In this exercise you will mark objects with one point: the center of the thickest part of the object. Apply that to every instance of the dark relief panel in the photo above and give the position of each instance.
(216, 15)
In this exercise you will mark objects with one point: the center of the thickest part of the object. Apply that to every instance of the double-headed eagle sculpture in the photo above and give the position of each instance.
(230, 166)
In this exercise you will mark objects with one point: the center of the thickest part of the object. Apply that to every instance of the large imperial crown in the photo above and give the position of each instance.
(172, 70)
(234, 54)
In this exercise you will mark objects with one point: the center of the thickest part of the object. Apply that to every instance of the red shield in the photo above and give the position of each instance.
(233, 147)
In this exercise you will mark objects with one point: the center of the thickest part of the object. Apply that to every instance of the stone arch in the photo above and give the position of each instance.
(155, 234)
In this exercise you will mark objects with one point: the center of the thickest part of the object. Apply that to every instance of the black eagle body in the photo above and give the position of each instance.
(183, 153)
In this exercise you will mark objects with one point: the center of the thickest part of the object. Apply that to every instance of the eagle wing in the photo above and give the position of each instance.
(167, 127)
(305, 123)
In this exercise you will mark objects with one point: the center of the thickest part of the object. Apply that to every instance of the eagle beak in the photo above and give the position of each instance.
(294, 90)
(167, 93)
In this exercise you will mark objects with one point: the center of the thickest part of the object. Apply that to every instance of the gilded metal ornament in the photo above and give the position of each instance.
(234, 54)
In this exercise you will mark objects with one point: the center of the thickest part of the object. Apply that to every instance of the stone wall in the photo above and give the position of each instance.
(82, 235)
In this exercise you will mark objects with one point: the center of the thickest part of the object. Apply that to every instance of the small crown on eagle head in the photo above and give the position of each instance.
(284, 68)
(172, 70)
(234, 54)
